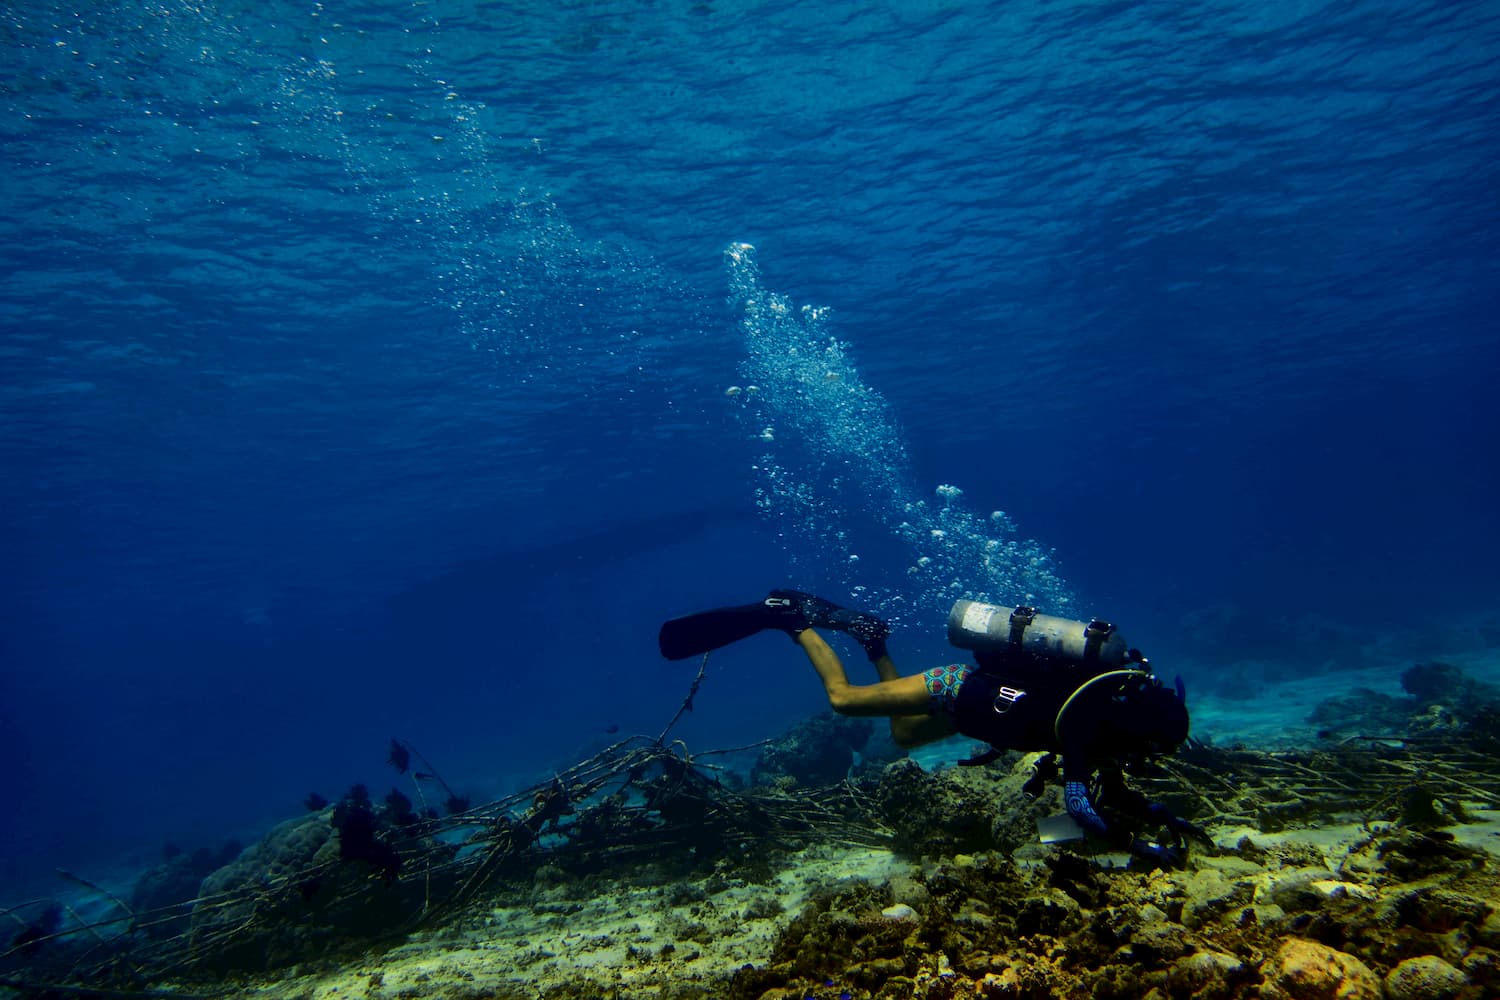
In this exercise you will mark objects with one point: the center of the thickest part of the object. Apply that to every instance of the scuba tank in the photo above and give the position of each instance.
(1048, 656)
(1051, 665)
(995, 632)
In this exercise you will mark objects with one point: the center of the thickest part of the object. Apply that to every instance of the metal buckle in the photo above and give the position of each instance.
(1010, 696)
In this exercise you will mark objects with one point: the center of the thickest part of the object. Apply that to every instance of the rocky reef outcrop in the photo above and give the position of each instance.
(1278, 924)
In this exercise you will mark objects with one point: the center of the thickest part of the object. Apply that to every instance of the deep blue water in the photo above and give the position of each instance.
(365, 367)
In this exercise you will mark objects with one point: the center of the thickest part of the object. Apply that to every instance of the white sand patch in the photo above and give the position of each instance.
(1335, 841)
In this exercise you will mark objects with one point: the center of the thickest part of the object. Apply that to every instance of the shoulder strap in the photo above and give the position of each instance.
(1092, 683)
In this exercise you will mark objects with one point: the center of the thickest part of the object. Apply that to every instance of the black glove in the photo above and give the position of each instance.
(1179, 827)
(1155, 855)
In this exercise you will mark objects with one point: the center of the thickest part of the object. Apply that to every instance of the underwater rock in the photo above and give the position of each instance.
(1296, 889)
(1416, 854)
(877, 755)
(763, 907)
(34, 934)
(1264, 644)
(899, 911)
(914, 801)
(176, 883)
(1307, 970)
(962, 810)
(908, 890)
(817, 751)
(1444, 683)
(1435, 910)
(286, 853)
(1425, 977)
(1206, 975)
(1068, 928)
(291, 898)
(1441, 698)
(1211, 894)
(1363, 712)
(596, 908)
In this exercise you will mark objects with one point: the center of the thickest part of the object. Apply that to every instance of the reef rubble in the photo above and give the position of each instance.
(1359, 868)
(1340, 911)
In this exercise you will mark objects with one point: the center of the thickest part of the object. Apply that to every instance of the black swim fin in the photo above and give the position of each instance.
(694, 635)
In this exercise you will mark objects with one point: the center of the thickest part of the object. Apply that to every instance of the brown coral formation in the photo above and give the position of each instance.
(1283, 926)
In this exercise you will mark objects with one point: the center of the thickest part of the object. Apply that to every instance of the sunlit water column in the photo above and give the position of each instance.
(833, 459)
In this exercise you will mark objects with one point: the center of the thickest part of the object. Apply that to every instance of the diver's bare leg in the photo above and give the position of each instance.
(912, 730)
(886, 668)
(903, 699)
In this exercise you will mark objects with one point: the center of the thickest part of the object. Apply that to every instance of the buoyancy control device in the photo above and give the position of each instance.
(1059, 660)
(1035, 654)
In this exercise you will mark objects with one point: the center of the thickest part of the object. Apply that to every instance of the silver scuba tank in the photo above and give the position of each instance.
(994, 628)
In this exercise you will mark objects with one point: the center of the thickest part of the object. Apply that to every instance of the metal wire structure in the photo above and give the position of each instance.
(1363, 777)
(638, 801)
(641, 799)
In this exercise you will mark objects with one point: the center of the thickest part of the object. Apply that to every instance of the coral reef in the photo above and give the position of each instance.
(171, 888)
(1276, 927)
(1440, 698)
(960, 810)
(1356, 869)
(302, 892)
(818, 751)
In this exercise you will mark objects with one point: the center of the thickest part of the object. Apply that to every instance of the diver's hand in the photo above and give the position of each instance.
(1180, 828)
(1156, 855)
(1076, 800)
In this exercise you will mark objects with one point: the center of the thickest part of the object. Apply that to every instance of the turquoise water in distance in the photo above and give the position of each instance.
(394, 369)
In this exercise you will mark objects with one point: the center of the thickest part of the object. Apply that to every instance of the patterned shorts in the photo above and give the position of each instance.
(942, 687)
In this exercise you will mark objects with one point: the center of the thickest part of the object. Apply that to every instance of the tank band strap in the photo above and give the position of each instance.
(1095, 636)
(1020, 618)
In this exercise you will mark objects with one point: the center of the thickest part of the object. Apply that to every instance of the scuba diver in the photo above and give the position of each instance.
(1039, 683)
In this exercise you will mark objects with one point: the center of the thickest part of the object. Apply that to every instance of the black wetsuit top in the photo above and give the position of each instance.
(1030, 723)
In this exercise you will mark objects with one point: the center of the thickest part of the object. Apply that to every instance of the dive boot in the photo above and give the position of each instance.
(816, 612)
